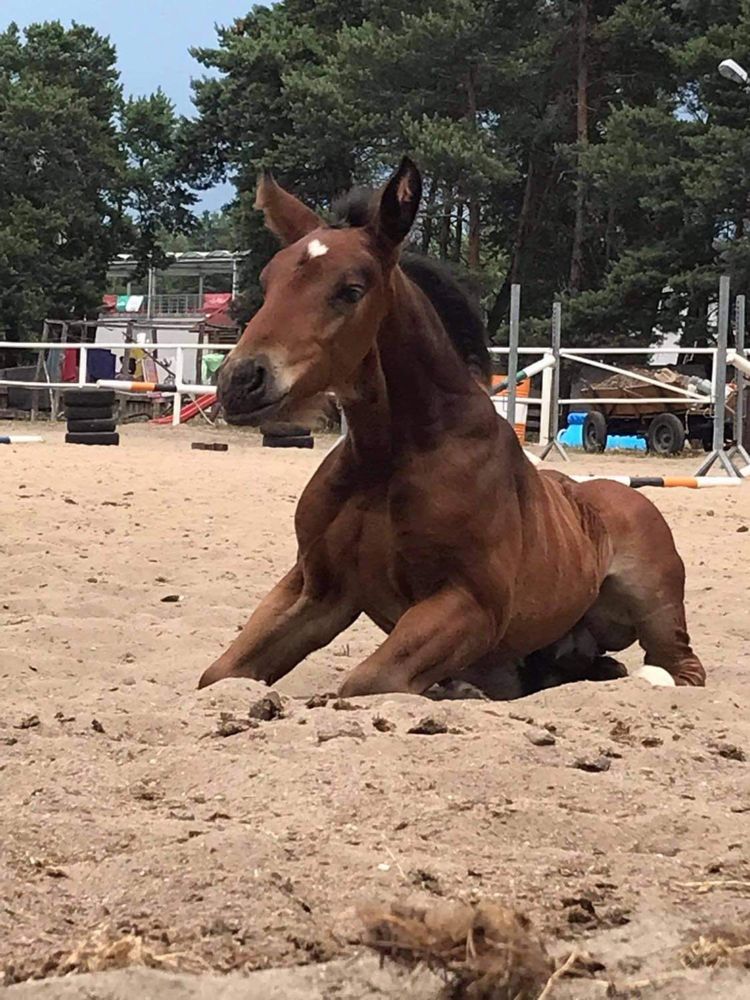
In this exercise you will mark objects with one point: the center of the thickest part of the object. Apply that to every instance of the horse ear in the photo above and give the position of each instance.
(285, 215)
(399, 203)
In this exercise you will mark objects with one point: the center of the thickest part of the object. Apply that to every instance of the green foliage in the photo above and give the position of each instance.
(83, 174)
(209, 231)
(587, 149)
(59, 163)
(156, 198)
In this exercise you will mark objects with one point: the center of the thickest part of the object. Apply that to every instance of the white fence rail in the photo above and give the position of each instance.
(581, 356)
(181, 388)
(549, 401)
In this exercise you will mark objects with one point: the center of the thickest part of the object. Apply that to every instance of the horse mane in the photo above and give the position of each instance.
(457, 308)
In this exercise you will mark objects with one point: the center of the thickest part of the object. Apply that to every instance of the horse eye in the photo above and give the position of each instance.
(351, 293)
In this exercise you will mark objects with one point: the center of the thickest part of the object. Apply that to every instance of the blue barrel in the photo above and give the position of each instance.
(572, 436)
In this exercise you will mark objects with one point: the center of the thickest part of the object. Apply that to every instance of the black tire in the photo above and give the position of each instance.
(594, 433)
(666, 435)
(89, 397)
(92, 426)
(289, 442)
(280, 430)
(89, 413)
(92, 438)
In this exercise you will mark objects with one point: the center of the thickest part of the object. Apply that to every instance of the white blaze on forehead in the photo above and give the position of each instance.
(316, 249)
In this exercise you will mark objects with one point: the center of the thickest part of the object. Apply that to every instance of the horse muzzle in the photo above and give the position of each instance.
(248, 390)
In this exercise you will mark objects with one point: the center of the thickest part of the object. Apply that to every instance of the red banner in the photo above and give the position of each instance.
(214, 301)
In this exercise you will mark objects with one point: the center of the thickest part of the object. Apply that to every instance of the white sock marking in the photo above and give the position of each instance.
(656, 676)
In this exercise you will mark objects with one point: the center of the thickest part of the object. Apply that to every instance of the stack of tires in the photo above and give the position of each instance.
(278, 435)
(90, 416)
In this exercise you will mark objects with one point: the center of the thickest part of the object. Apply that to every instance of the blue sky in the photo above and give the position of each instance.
(152, 40)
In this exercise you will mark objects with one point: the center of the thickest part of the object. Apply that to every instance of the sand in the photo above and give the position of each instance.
(124, 815)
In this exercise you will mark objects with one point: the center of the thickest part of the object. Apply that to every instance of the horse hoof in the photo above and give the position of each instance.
(656, 676)
(456, 690)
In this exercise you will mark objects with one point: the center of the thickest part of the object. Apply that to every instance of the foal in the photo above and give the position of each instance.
(428, 517)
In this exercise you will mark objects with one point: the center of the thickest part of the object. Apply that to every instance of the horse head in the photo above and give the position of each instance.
(326, 293)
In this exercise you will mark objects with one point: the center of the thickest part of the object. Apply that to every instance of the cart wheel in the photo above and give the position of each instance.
(594, 433)
(666, 435)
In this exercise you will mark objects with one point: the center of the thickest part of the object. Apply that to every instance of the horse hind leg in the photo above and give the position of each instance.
(643, 595)
(643, 600)
(665, 641)
(575, 657)
(578, 656)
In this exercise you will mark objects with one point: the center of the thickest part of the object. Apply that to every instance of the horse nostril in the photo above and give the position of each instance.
(257, 379)
(244, 385)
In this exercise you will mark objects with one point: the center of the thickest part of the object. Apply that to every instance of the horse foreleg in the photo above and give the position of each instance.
(434, 640)
(288, 624)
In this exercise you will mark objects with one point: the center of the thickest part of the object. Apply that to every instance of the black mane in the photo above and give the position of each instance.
(457, 308)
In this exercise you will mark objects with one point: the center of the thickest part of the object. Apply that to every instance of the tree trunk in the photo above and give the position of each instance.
(429, 215)
(582, 136)
(459, 235)
(694, 329)
(475, 217)
(474, 233)
(524, 218)
(501, 304)
(610, 248)
(445, 224)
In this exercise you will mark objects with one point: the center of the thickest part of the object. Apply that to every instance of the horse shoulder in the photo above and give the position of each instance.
(335, 503)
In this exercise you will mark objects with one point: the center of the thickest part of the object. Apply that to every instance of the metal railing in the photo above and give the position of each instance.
(168, 304)
(174, 304)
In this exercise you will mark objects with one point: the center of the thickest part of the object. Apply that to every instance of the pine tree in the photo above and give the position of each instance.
(83, 175)
(583, 148)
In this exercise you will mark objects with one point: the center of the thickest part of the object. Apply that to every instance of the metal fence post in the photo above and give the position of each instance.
(83, 364)
(720, 369)
(718, 453)
(554, 415)
(179, 381)
(738, 450)
(515, 322)
(545, 413)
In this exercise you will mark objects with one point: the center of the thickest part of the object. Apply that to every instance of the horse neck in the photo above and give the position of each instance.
(412, 389)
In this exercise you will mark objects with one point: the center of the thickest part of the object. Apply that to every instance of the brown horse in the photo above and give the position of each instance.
(428, 517)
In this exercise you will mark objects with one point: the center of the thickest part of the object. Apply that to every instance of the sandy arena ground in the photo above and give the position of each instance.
(124, 815)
